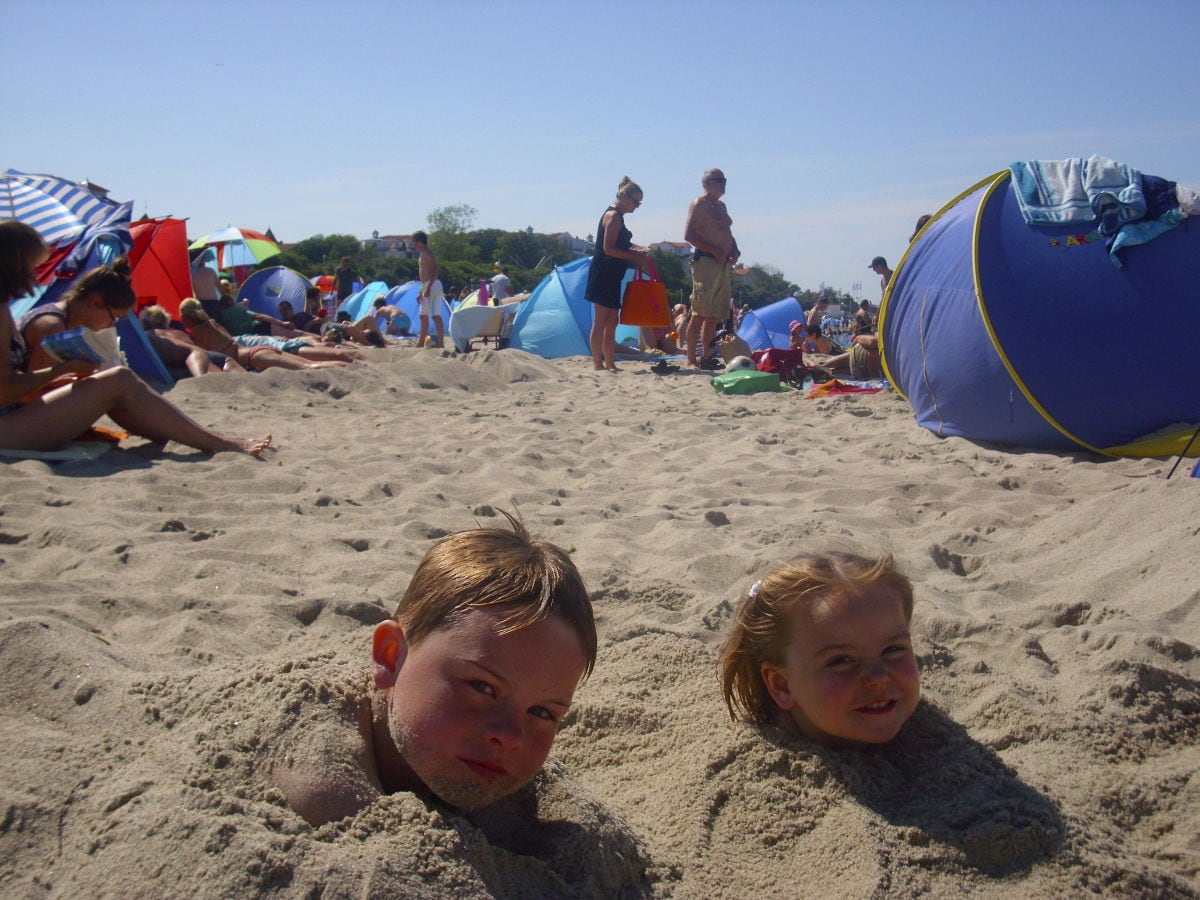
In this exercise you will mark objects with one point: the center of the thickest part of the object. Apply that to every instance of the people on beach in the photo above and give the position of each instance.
(920, 224)
(614, 252)
(429, 298)
(709, 230)
(44, 408)
(205, 286)
(861, 362)
(501, 288)
(344, 279)
(258, 352)
(472, 676)
(880, 267)
(821, 646)
(864, 322)
(817, 312)
(179, 352)
(815, 341)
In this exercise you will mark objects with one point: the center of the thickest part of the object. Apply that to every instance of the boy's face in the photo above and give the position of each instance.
(472, 712)
(849, 672)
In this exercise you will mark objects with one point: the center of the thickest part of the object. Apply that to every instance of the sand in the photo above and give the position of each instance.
(165, 615)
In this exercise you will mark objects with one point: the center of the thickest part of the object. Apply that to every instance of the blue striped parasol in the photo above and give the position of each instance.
(58, 209)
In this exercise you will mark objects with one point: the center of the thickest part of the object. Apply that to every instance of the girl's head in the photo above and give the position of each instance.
(102, 295)
(822, 644)
(22, 250)
(629, 195)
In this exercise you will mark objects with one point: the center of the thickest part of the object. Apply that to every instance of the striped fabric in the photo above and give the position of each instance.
(60, 210)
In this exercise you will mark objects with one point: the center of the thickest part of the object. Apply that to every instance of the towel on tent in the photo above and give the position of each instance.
(1054, 192)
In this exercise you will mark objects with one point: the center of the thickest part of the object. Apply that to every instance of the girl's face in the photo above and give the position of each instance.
(95, 315)
(627, 203)
(849, 672)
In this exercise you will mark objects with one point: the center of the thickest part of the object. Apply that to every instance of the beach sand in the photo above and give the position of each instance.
(165, 615)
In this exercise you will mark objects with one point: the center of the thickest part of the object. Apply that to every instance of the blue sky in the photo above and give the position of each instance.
(837, 124)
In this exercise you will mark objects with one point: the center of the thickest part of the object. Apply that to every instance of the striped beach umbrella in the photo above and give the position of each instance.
(58, 209)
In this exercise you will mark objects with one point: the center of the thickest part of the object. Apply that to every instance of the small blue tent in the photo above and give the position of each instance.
(267, 287)
(556, 320)
(359, 303)
(998, 330)
(767, 326)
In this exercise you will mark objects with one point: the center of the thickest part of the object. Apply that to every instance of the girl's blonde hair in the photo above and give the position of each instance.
(629, 186)
(760, 630)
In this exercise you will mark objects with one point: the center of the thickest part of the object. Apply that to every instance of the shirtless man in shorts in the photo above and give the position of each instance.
(430, 296)
(709, 231)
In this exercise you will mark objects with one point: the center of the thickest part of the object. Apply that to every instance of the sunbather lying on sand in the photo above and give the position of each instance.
(256, 351)
(179, 352)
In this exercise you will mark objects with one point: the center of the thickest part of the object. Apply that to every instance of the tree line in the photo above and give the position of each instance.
(466, 256)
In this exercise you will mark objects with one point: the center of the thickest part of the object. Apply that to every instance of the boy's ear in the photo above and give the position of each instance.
(777, 685)
(389, 648)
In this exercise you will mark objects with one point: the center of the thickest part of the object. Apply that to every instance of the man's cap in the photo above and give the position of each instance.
(878, 261)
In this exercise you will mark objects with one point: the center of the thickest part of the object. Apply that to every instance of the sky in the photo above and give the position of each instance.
(837, 124)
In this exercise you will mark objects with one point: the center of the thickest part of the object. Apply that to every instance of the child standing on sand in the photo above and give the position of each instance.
(474, 673)
(821, 646)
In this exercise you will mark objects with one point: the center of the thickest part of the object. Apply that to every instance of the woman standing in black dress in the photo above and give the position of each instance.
(615, 250)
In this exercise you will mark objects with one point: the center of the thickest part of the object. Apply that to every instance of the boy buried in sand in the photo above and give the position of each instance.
(821, 646)
(474, 673)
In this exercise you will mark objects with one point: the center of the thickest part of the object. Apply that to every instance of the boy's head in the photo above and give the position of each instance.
(479, 665)
(420, 239)
(822, 644)
(154, 317)
(285, 309)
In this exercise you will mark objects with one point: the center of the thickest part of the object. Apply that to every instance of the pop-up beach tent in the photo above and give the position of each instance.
(264, 290)
(767, 326)
(1030, 336)
(556, 320)
(162, 275)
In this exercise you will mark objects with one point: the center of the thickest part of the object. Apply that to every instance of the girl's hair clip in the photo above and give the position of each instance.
(754, 588)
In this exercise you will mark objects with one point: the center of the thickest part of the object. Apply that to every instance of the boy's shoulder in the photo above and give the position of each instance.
(325, 764)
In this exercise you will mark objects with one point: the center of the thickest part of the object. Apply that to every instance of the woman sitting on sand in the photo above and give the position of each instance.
(45, 408)
(258, 352)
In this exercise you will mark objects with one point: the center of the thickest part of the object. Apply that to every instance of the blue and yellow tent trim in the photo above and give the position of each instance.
(1029, 336)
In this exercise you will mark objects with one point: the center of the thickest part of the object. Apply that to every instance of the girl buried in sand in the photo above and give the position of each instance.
(821, 646)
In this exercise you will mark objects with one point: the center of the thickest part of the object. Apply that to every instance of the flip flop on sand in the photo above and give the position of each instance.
(662, 367)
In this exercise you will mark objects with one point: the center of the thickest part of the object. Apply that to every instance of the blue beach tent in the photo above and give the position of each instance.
(767, 326)
(556, 321)
(359, 303)
(1017, 334)
(265, 288)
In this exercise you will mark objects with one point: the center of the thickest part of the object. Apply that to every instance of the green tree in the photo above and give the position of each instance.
(521, 249)
(323, 252)
(449, 236)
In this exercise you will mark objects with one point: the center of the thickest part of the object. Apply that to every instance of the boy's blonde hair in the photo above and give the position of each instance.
(761, 627)
(529, 579)
(155, 317)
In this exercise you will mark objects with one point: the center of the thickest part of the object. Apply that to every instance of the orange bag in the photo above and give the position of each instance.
(645, 302)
